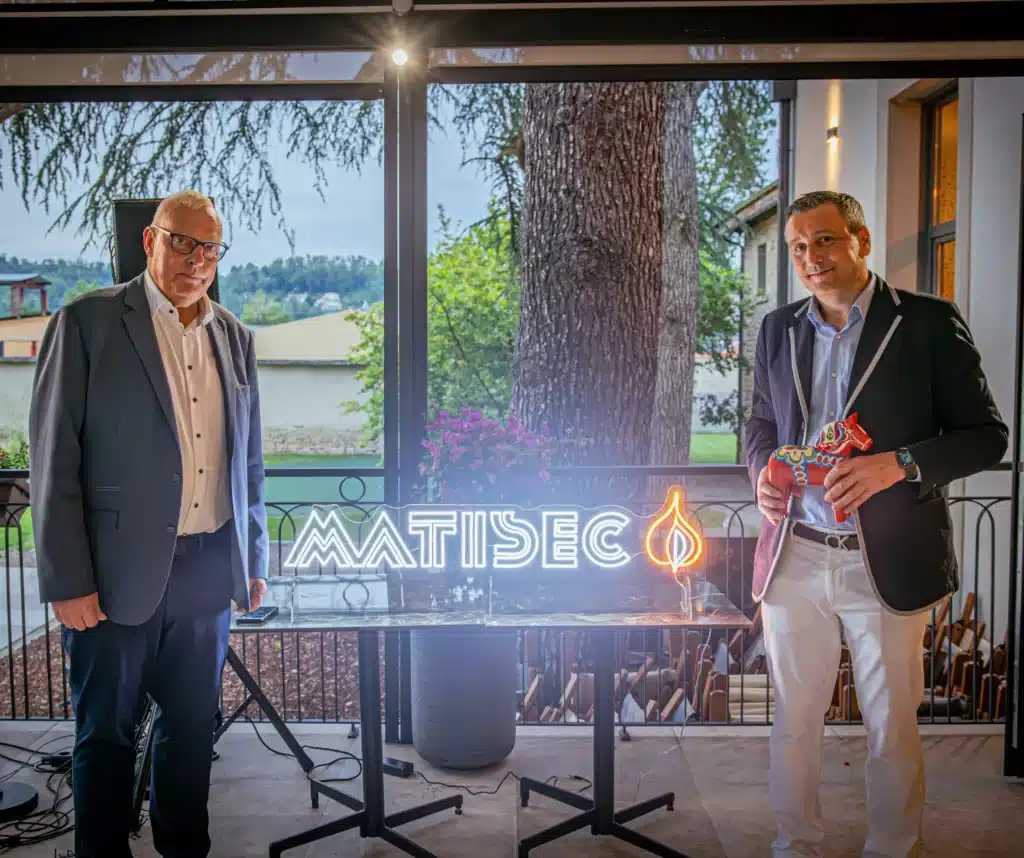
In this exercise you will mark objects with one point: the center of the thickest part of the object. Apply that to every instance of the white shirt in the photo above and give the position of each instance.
(198, 402)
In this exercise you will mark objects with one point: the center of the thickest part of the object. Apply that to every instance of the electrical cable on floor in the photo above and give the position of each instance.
(41, 825)
(342, 756)
(551, 781)
(347, 755)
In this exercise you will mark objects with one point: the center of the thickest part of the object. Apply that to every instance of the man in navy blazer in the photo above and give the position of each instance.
(147, 502)
(907, 365)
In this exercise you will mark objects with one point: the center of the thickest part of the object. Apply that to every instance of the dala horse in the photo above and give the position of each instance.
(807, 466)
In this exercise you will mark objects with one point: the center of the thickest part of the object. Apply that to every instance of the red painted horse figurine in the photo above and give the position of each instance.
(807, 466)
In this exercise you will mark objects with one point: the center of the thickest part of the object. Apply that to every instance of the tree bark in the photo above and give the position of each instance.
(586, 347)
(680, 290)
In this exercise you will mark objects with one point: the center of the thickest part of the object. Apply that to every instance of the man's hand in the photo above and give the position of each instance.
(853, 481)
(257, 590)
(769, 498)
(81, 613)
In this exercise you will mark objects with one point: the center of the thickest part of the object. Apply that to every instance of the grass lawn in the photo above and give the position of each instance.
(708, 449)
(705, 449)
(9, 536)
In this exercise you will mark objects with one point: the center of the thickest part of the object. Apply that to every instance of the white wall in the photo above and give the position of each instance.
(302, 408)
(15, 392)
(300, 404)
(878, 158)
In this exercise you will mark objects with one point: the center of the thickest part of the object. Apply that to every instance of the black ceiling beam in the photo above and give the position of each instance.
(189, 27)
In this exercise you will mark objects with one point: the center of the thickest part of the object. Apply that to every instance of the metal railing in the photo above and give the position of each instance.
(666, 676)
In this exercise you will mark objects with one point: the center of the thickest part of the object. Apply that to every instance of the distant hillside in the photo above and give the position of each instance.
(64, 274)
(285, 289)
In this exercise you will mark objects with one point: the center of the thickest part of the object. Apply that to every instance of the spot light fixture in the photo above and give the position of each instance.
(399, 56)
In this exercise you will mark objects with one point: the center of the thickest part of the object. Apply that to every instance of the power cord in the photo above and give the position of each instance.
(551, 781)
(348, 756)
(41, 825)
(342, 756)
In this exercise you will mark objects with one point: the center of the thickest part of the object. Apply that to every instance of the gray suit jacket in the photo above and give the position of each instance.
(105, 460)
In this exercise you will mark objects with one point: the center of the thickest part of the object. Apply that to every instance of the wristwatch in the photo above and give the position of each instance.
(906, 460)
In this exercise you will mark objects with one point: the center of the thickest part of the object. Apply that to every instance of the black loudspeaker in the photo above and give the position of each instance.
(127, 255)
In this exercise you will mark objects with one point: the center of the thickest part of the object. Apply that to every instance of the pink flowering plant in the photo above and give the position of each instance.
(15, 457)
(475, 459)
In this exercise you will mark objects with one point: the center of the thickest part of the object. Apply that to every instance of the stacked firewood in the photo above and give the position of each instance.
(692, 684)
(963, 672)
(706, 678)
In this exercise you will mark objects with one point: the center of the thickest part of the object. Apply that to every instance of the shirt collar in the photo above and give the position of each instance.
(857, 312)
(159, 305)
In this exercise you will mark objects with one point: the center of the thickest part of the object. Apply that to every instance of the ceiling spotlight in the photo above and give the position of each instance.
(399, 57)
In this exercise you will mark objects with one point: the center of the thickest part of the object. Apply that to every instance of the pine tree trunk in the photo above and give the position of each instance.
(586, 350)
(680, 290)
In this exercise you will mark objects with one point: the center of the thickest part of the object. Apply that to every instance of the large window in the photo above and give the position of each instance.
(940, 161)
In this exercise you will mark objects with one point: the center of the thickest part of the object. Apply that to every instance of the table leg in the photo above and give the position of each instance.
(255, 693)
(370, 818)
(599, 812)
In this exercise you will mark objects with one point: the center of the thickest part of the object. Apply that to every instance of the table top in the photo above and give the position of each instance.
(511, 599)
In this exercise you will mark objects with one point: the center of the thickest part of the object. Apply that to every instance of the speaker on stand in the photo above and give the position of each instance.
(127, 255)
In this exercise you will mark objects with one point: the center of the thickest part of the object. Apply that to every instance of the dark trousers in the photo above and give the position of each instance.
(176, 656)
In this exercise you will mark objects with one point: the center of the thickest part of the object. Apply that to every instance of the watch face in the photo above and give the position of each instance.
(904, 457)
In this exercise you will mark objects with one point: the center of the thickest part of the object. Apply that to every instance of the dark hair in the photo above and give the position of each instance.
(851, 210)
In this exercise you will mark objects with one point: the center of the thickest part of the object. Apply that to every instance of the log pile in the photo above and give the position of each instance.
(722, 681)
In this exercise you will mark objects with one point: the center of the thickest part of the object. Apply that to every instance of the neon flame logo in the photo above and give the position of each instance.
(671, 541)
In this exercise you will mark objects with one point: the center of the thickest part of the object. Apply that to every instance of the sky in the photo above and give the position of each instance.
(348, 221)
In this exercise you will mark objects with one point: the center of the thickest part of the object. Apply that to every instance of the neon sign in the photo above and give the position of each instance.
(432, 537)
(671, 541)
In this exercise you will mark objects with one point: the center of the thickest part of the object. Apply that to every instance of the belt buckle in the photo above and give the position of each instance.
(840, 540)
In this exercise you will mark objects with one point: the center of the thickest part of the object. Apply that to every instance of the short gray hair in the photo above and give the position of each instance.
(188, 199)
(851, 210)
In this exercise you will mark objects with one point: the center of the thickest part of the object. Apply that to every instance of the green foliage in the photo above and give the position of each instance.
(145, 149)
(473, 311)
(14, 457)
(297, 282)
(80, 288)
(64, 275)
(261, 310)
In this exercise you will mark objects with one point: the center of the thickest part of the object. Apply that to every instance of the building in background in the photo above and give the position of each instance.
(756, 222)
(305, 377)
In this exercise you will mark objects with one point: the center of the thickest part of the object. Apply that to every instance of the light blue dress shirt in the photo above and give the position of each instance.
(830, 379)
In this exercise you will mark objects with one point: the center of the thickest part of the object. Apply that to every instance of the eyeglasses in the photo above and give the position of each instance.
(185, 244)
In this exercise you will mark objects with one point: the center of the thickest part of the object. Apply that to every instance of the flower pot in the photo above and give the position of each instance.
(14, 499)
(463, 695)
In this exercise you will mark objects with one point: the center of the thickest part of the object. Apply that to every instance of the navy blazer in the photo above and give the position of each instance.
(105, 460)
(916, 382)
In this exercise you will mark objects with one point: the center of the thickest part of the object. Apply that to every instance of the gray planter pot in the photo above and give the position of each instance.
(463, 696)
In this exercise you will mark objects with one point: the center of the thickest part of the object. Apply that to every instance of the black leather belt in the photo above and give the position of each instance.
(848, 541)
(190, 542)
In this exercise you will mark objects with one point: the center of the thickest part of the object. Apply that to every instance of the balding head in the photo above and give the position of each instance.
(186, 201)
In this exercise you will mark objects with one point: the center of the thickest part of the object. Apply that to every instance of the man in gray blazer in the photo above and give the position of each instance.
(147, 503)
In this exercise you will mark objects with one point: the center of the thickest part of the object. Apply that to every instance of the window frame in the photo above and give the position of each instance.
(932, 236)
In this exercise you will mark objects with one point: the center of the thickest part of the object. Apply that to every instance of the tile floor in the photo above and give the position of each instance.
(719, 777)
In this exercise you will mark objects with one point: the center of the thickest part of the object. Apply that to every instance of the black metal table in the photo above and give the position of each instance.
(599, 812)
(605, 605)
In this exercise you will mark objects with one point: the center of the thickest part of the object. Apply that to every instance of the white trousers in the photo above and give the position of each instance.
(813, 590)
